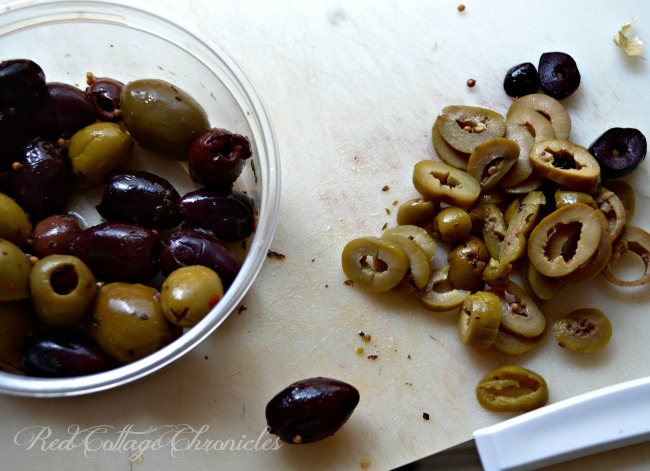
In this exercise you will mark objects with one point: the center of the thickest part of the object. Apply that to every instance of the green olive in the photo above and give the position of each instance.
(520, 315)
(375, 264)
(537, 125)
(521, 169)
(16, 321)
(128, 322)
(564, 197)
(452, 224)
(613, 209)
(479, 319)
(494, 229)
(543, 287)
(417, 212)
(490, 161)
(419, 263)
(97, 150)
(14, 222)
(161, 117)
(467, 260)
(447, 153)
(635, 240)
(14, 272)
(465, 127)
(549, 108)
(625, 193)
(418, 235)
(189, 293)
(438, 295)
(514, 344)
(443, 183)
(63, 289)
(512, 389)
(583, 330)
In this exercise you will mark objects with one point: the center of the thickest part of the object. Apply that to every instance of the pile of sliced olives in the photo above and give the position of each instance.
(78, 300)
(522, 211)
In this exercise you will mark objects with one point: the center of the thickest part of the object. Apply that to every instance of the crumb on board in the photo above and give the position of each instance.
(365, 462)
(373, 357)
(366, 337)
(425, 415)
(276, 255)
(348, 283)
(384, 227)
(385, 188)
(461, 7)
(241, 309)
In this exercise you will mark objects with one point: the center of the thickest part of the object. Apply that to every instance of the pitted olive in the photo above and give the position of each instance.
(490, 161)
(161, 117)
(443, 183)
(14, 272)
(467, 260)
(548, 107)
(465, 127)
(375, 264)
(512, 389)
(519, 313)
(583, 330)
(479, 319)
(14, 222)
(419, 263)
(438, 295)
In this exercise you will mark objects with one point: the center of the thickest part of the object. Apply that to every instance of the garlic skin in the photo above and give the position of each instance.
(632, 47)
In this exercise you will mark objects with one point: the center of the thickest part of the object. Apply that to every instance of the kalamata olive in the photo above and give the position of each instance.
(40, 180)
(14, 272)
(58, 353)
(520, 80)
(217, 158)
(14, 222)
(224, 215)
(311, 410)
(141, 198)
(21, 82)
(619, 151)
(161, 117)
(9, 139)
(97, 150)
(62, 110)
(53, 234)
(127, 321)
(104, 94)
(558, 74)
(190, 247)
(118, 251)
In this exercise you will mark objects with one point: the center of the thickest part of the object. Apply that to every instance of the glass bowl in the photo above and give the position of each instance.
(127, 40)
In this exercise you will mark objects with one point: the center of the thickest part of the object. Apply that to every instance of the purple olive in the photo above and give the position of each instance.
(619, 151)
(116, 251)
(22, 81)
(9, 141)
(40, 179)
(217, 158)
(187, 247)
(521, 80)
(52, 235)
(104, 94)
(140, 197)
(311, 410)
(228, 217)
(58, 353)
(558, 74)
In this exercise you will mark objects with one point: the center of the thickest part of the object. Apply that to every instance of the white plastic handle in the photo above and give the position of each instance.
(600, 420)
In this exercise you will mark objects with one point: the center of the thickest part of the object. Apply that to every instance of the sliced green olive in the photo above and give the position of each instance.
(447, 154)
(543, 287)
(564, 197)
(532, 183)
(522, 169)
(637, 241)
(538, 126)
(567, 164)
(438, 181)
(452, 224)
(548, 107)
(583, 330)
(512, 389)
(494, 229)
(465, 127)
(564, 240)
(418, 235)
(519, 313)
(419, 263)
(491, 160)
(613, 209)
(417, 212)
(626, 194)
(513, 344)
(375, 264)
(479, 318)
(467, 260)
(438, 295)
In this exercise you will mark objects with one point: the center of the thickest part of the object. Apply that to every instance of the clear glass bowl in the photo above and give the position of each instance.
(128, 40)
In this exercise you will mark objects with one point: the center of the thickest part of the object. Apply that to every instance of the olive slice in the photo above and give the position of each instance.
(419, 263)
(522, 169)
(583, 330)
(635, 240)
(532, 183)
(548, 107)
(417, 234)
(437, 295)
(625, 193)
(613, 209)
(465, 127)
(491, 160)
(534, 122)
(619, 151)
(559, 76)
(543, 287)
(479, 319)
(447, 154)
(567, 164)
(512, 389)
(513, 344)
(494, 229)
(467, 260)
(390, 267)
(564, 197)
(416, 211)
(519, 313)
(438, 181)
(564, 240)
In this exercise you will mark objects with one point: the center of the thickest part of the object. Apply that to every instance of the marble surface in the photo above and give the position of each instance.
(353, 89)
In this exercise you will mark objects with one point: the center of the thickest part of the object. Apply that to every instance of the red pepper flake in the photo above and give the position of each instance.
(425, 415)
(213, 301)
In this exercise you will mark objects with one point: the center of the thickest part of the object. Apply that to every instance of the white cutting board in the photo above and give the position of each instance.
(353, 89)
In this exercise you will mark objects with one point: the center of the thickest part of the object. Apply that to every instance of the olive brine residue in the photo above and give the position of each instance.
(79, 300)
(522, 213)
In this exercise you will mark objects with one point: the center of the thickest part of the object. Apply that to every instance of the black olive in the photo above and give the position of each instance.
(619, 151)
(21, 82)
(521, 80)
(558, 74)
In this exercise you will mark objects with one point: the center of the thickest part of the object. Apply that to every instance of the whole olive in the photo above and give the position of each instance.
(127, 321)
(118, 251)
(14, 272)
(217, 158)
(62, 288)
(452, 224)
(40, 180)
(190, 247)
(161, 117)
(226, 216)
(97, 150)
(189, 293)
(142, 198)
(53, 234)
(14, 222)
(22, 81)
(58, 353)
(104, 94)
(467, 260)
(311, 410)
(16, 321)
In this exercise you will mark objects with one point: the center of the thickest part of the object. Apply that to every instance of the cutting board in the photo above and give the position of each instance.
(353, 89)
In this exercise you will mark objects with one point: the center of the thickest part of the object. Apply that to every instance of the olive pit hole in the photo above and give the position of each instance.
(630, 266)
(563, 240)
(64, 280)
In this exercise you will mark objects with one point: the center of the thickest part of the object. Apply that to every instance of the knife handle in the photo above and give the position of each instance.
(608, 418)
